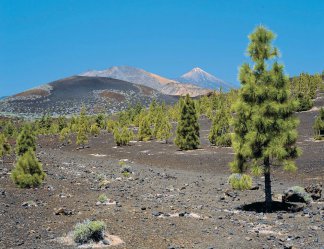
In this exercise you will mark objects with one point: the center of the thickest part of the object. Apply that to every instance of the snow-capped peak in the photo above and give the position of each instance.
(203, 79)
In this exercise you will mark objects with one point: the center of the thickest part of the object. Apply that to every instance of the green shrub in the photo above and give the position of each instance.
(5, 147)
(145, 132)
(240, 181)
(111, 125)
(122, 136)
(94, 130)
(89, 231)
(219, 134)
(28, 171)
(82, 137)
(64, 135)
(102, 198)
(25, 141)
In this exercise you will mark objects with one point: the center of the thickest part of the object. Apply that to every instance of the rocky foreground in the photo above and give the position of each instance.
(158, 197)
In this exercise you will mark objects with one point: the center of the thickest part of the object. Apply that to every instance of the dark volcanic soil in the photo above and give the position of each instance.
(164, 180)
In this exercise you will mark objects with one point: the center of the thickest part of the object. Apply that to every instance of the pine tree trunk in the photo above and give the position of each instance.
(267, 185)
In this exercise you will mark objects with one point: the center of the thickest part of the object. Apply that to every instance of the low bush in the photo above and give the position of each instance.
(240, 181)
(102, 198)
(89, 231)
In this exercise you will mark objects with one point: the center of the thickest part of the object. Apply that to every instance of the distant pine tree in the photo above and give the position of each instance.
(26, 140)
(319, 125)
(28, 172)
(145, 132)
(82, 137)
(264, 123)
(187, 135)
(5, 147)
(122, 136)
(163, 132)
(94, 130)
(219, 134)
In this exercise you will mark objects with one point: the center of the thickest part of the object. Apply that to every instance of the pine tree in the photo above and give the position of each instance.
(219, 134)
(145, 131)
(28, 172)
(64, 135)
(5, 147)
(100, 121)
(25, 140)
(319, 125)
(122, 136)
(187, 135)
(111, 124)
(163, 132)
(94, 130)
(9, 129)
(264, 123)
(82, 137)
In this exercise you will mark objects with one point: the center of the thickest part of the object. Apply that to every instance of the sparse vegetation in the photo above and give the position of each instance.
(319, 125)
(102, 198)
(89, 231)
(5, 147)
(122, 136)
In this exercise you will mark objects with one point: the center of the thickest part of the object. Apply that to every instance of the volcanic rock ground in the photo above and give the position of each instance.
(165, 180)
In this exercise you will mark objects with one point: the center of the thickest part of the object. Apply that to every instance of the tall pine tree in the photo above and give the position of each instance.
(264, 124)
(187, 136)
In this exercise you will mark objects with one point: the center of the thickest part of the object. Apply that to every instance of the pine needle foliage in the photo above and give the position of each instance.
(319, 125)
(122, 136)
(5, 147)
(164, 130)
(187, 135)
(25, 141)
(145, 132)
(264, 122)
(28, 171)
(82, 137)
(219, 134)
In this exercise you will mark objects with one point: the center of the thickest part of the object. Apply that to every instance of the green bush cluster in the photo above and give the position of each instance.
(122, 136)
(319, 125)
(240, 181)
(303, 89)
(89, 231)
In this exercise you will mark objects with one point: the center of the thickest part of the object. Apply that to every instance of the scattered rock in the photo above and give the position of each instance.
(64, 211)
(296, 194)
(28, 204)
(315, 191)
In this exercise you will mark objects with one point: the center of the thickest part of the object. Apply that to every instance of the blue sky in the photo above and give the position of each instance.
(41, 41)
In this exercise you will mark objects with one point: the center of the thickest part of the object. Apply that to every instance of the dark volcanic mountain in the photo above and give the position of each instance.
(66, 97)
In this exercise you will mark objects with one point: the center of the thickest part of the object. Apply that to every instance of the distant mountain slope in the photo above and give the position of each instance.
(142, 77)
(199, 77)
(131, 74)
(66, 97)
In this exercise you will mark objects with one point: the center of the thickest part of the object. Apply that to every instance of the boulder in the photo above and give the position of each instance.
(315, 191)
(296, 194)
